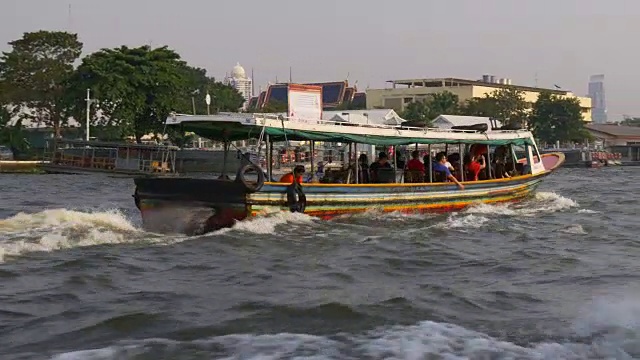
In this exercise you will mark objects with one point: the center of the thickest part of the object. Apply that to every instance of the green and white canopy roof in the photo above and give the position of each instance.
(240, 126)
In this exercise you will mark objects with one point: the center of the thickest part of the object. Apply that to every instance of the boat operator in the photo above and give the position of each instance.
(296, 174)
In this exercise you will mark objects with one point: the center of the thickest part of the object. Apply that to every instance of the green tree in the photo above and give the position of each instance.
(630, 121)
(483, 107)
(11, 134)
(443, 103)
(417, 113)
(135, 88)
(434, 105)
(510, 106)
(36, 75)
(223, 97)
(555, 118)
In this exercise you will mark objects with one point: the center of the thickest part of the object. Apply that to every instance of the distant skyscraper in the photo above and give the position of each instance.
(239, 81)
(598, 100)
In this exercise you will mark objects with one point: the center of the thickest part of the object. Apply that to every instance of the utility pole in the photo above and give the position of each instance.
(88, 99)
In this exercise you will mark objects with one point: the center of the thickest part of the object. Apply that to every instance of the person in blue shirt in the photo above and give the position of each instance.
(439, 165)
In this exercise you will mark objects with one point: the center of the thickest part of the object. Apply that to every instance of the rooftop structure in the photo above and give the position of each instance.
(458, 82)
(403, 92)
(334, 94)
(615, 135)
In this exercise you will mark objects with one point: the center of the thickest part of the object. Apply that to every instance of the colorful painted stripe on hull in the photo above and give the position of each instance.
(336, 203)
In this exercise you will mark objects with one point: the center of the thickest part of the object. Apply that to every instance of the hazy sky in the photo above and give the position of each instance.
(563, 41)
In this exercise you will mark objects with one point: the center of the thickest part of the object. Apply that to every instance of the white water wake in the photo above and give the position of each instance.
(58, 229)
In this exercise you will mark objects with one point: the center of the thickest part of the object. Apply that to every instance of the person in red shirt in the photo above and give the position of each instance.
(478, 150)
(415, 163)
(473, 166)
(297, 172)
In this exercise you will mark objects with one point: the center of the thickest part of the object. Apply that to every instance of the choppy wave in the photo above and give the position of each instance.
(426, 339)
(608, 327)
(58, 229)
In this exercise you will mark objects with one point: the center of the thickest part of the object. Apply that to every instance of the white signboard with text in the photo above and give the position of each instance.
(305, 102)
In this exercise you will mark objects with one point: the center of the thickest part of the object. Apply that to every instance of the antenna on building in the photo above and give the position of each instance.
(290, 77)
(276, 79)
(69, 23)
(535, 79)
(347, 76)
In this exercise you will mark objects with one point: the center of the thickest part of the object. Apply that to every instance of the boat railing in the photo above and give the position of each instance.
(260, 120)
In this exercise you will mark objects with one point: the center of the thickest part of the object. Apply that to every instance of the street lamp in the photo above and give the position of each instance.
(89, 101)
(193, 100)
(207, 99)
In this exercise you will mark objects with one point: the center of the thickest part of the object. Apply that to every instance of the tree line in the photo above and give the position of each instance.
(43, 79)
(551, 118)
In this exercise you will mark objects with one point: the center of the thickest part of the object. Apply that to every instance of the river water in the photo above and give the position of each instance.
(555, 277)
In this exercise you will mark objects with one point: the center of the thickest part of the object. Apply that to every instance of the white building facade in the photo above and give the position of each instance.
(241, 82)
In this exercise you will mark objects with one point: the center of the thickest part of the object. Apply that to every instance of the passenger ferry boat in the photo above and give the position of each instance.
(200, 205)
(117, 159)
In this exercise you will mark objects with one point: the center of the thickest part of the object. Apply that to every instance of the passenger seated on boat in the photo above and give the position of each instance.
(519, 169)
(363, 168)
(473, 167)
(456, 167)
(440, 166)
(415, 169)
(381, 163)
(296, 174)
(499, 161)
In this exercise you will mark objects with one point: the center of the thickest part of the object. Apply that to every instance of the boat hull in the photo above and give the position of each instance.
(196, 206)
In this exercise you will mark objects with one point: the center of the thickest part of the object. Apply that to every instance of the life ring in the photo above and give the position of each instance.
(250, 185)
(296, 199)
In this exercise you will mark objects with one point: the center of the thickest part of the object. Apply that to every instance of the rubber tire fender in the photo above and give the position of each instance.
(240, 177)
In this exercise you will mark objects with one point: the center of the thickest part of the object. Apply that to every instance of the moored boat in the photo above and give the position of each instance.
(200, 205)
(117, 159)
